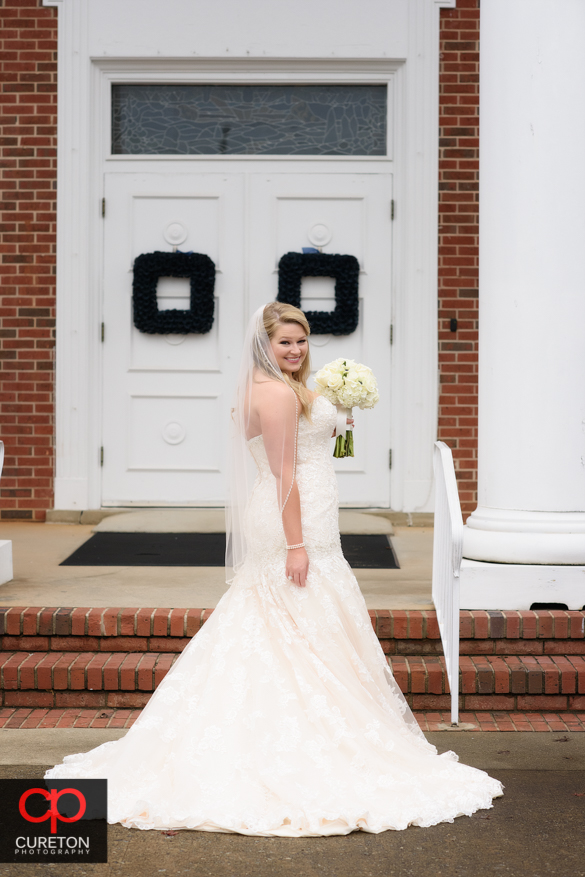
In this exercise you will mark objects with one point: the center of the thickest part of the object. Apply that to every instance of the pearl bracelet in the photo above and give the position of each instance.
(290, 547)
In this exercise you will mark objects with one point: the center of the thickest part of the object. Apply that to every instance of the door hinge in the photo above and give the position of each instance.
(103, 332)
(390, 458)
(392, 210)
(102, 455)
(104, 208)
(391, 333)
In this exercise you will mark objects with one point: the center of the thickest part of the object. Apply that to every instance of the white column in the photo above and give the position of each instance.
(532, 286)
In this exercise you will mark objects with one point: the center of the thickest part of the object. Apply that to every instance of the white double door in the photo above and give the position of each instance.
(166, 398)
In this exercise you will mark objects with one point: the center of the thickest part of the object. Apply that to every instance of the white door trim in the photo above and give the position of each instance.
(81, 163)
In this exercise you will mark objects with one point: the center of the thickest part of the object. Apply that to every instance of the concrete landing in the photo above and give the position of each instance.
(164, 521)
(38, 550)
(213, 521)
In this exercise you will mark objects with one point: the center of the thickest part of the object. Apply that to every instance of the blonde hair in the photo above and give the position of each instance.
(279, 313)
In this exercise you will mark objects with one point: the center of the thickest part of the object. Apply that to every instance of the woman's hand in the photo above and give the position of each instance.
(297, 566)
(350, 422)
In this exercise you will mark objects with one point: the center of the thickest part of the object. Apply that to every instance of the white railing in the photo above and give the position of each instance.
(447, 551)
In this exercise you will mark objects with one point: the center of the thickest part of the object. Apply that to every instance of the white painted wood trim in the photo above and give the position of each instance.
(415, 348)
(6, 564)
(447, 550)
(73, 348)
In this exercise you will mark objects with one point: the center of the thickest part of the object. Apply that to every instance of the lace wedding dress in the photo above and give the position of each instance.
(281, 716)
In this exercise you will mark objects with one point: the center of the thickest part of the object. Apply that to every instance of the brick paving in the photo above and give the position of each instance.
(67, 718)
(503, 721)
(428, 721)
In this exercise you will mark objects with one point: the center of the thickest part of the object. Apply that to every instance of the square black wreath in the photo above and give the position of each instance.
(344, 269)
(200, 270)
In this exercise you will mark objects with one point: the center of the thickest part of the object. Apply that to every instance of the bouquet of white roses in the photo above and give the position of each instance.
(346, 384)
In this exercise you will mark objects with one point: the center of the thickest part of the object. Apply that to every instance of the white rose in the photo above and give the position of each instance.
(369, 382)
(334, 381)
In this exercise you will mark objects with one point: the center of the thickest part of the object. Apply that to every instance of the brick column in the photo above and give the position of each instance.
(28, 173)
(532, 287)
(459, 241)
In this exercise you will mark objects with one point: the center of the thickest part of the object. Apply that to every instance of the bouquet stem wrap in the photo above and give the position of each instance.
(344, 433)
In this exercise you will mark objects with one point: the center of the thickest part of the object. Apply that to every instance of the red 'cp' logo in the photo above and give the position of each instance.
(52, 813)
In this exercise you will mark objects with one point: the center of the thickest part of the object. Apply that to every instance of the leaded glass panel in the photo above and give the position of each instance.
(249, 119)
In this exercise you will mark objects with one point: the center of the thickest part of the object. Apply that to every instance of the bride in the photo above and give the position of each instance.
(281, 717)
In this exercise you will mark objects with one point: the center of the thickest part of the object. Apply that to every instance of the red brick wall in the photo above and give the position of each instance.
(458, 240)
(28, 76)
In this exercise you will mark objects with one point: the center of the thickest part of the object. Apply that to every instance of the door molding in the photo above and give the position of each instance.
(83, 127)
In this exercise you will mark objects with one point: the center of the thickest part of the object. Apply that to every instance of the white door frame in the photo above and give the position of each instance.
(83, 138)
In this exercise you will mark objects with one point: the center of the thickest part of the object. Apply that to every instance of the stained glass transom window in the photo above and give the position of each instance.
(249, 119)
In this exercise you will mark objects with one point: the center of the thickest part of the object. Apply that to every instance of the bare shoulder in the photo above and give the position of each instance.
(273, 390)
(273, 399)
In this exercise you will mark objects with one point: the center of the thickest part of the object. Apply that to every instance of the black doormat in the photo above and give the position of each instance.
(369, 552)
(205, 549)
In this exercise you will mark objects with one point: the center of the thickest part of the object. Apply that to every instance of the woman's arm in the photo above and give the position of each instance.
(278, 409)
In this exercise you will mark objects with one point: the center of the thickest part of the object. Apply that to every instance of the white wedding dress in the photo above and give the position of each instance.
(281, 716)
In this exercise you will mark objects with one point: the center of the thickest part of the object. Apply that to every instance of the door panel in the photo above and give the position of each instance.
(166, 397)
(348, 214)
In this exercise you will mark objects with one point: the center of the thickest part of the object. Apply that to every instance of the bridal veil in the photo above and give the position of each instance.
(258, 364)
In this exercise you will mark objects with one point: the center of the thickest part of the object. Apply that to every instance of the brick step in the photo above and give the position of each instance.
(401, 632)
(126, 679)
(81, 679)
(488, 682)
